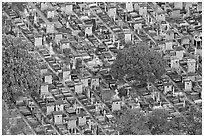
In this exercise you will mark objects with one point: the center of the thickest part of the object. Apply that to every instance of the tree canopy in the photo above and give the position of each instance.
(195, 118)
(138, 62)
(158, 122)
(133, 122)
(20, 69)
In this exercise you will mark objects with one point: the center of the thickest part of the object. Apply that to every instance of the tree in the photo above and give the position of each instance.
(139, 63)
(158, 123)
(20, 69)
(195, 118)
(133, 122)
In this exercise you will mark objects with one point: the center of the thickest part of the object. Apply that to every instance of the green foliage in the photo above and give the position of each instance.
(133, 122)
(138, 62)
(5, 119)
(195, 118)
(158, 123)
(20, 71)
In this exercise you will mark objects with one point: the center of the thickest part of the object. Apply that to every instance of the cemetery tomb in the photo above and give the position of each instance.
(58, 37)
(43, 6)
(38, 41)
(143, 11)
(71, 122)
(78, 88)
(48, 79)
(188, 85)
(69, 9)
(65, 44)
(128, 38)
(170, 35)
(199, 7)
(76, 32)
(50, 28)
(50, 14)
(58, 117)
(88, 30)
(176, 13)
(60, 105)
(84, 82)
(50, 108)
(185, 40)
(160, 16)
(82, 120)
(95, 82)
(178, 5)
(43, 70)
(116, 105)
(44, 89)
(175, 63)
(129, 6)
(168, 87)
(112, 12)
(169, 45)
(191, 64)
(179, 53)
(66, 75)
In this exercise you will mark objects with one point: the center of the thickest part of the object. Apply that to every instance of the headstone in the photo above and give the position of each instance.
(36, 19)
(158, 97)
(51, 51)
